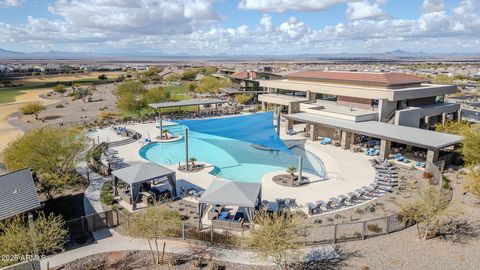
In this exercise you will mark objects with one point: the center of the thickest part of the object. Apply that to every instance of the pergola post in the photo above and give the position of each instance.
(161, 128)
(186, 149)
(289, 125)
(315, 131)
(278, 123)
(345, 141)
(300, 168)
(385, 148)
(432, 157)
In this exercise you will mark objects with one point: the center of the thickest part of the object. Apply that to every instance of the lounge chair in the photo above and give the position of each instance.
(326, 140)
(311, 208)
(399, 157)
(290, 131)
(351, 197)
(420, 164)
(342, 199)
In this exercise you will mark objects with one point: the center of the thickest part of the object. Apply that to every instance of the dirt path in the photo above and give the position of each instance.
(9, 132)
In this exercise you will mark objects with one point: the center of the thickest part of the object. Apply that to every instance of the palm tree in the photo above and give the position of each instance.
(165, 133)
(292, 170)
(192, 160)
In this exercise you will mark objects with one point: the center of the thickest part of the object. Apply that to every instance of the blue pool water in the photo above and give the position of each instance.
(234, 159)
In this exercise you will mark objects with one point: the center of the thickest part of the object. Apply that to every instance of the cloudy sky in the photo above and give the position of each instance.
(207, 27)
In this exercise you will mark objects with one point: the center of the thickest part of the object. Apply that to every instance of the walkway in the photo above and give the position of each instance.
(91, 199)
(109, 240)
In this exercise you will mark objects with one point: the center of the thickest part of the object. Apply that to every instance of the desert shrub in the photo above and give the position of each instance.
(198, 262)
(173, 261)
(427, 175)
(107, 198)
(213, 266)
(374, 228)
(59, 106)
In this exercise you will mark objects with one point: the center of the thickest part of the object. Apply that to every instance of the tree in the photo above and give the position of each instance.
(193, 160)
(242, 99)
(292, 170)
(473, 184)
(192, 87)
(60, 88)
(212, 85)
(131, 97)
(152, 71)
(102, 77)
(158, 94)
(82, 93)
(52, 154)
(471, 145)
(17, 238)
(165, 133)
(452, 127)
(156, 222)
(276, 237)
(32, 108)
(210, 70)
(427, 210)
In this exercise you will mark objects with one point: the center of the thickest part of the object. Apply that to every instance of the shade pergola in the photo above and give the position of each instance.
(187, 102)
(226, 192)
(140, 173)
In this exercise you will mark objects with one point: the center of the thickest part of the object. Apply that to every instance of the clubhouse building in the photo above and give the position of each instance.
(390, 107)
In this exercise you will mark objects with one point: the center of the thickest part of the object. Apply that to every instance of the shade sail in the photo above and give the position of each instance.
(253, 128)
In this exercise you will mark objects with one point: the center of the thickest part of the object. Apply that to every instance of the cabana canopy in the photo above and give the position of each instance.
(17, 193)
(137, 174)
(226, 192)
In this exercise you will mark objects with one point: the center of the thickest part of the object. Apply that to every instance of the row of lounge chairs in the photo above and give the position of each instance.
(386, 177)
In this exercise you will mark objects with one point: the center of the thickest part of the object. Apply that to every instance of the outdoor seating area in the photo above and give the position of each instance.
(279, 205)
(228, 204)
(386, 177)
(144, 183)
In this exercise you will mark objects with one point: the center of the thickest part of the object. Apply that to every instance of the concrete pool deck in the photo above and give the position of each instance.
(345, 170)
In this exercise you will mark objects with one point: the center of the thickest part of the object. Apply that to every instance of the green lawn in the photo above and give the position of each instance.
(8, 94)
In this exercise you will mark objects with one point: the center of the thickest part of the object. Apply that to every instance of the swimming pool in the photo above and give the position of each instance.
(233, 159)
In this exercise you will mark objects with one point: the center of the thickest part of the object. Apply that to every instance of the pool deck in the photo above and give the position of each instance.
(345, 170)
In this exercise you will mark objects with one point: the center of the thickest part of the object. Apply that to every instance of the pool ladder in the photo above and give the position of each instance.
(216, 171)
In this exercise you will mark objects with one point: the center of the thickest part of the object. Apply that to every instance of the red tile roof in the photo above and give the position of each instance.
(244, 75)
(386, 79)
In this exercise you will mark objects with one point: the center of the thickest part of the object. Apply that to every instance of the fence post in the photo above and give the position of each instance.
(335, 233)
(83, 223)
(183, 230)
(211, 234)
(128, 225)
(388, 224)
(94, 223)
(363, 230)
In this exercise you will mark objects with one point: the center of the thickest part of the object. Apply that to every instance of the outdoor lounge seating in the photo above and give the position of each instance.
(290, 131)
(398, 157)
(421, 164)
(326, 140)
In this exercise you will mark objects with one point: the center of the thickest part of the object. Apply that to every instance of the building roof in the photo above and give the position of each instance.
(226, 192)
(142, 172)
(244, 75)
(187, 102)
(17, 193)
(408, 135)
(384, 79)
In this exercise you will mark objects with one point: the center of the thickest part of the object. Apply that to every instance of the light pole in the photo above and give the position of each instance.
(186, 149)
(300, 165)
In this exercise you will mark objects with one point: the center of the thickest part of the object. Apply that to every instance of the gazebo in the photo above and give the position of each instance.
(231, 193)
(140, 173)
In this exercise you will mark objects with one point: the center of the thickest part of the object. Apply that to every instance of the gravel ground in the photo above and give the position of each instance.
(143, 260)
(403, 250)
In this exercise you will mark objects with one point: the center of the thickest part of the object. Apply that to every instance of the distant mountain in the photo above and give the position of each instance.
(154, 56)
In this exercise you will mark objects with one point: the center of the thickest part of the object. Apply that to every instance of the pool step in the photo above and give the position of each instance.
(216, 171)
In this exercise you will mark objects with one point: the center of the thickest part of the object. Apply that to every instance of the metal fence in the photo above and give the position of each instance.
(315, 234)
(308, 234)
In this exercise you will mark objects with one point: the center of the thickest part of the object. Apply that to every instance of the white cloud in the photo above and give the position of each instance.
(193, 27)
(284, 5)
(143, 16)
(364, 10)
(11, 3)
(429, 6)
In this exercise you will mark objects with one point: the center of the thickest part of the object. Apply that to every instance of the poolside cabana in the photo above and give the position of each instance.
(247, 196)
(138, 174)
(17, 193)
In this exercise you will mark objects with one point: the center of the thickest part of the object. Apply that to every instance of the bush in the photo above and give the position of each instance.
(374, 228)
(213, 266)
(198, 262)
(107, 187)
(107, 198)
(59, 106)
(173, 261)
(427, 175)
